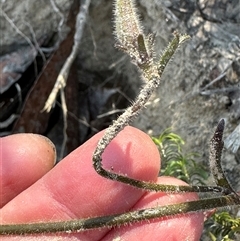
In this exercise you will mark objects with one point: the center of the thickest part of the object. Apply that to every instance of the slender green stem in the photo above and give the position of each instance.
(153, 80)
(120, 219)
(215, 153)
(140, 48)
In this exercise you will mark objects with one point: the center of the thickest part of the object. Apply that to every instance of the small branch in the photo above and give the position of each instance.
(63, 75)
(62, 21)
(65, 124)
(222, 90)
(214, 81)
(18, 30)
(35, 41)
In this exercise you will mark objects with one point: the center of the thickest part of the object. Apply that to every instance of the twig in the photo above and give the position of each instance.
(8, 121)
(61, 22)
(63, 75)
(35, 41)
(214, 80)
(222, 90)
(18, 30)
(60, 29)
(65, 124)
(111, 112)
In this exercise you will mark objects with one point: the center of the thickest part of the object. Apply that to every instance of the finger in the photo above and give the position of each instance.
(24, 158)
(73, 189)
(180, 227)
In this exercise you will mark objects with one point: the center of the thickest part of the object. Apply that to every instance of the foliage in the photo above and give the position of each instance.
(177, 164)
(223, 226)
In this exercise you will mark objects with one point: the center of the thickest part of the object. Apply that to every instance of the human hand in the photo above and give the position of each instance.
(33, 191)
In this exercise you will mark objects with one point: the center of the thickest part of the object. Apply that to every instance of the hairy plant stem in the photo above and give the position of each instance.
(120, 219)
(139, 47)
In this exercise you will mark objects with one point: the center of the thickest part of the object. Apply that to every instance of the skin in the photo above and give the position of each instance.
(32, 190)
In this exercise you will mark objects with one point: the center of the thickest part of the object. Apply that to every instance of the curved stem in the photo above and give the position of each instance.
(139, 47)
(120, 219)
(153, 75)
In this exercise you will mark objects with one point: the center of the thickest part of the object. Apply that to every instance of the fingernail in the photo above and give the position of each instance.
(49, 142)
